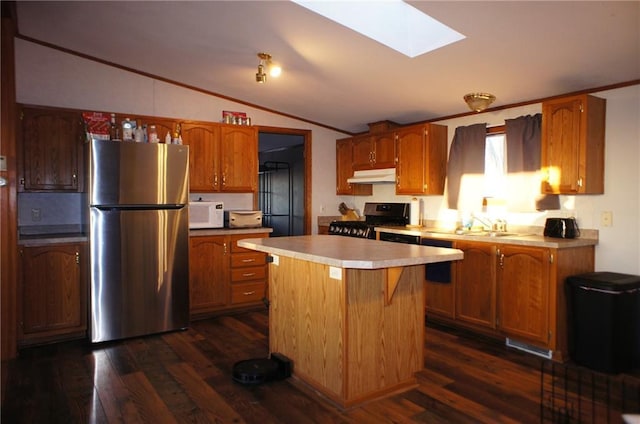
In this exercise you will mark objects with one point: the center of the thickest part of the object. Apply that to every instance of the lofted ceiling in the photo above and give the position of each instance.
(517, 50)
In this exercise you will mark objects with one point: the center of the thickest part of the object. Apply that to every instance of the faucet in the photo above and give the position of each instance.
(498, 225)
(484, 221)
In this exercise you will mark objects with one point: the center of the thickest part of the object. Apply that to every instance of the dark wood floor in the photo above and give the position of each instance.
(185, 377)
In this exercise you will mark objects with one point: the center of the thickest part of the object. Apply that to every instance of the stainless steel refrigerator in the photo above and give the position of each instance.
(139, 238)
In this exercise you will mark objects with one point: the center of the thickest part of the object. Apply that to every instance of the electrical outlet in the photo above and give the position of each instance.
(35, 214)
(323, 209)
(606, 219)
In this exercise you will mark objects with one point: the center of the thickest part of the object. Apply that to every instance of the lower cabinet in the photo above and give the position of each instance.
(524, 286)
(52, 293)
(514, 291)
(224, 276)
(476, 284)
(208, 273)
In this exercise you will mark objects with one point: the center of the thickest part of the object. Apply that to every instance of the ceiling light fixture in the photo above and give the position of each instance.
(265, 65)
(479, 101)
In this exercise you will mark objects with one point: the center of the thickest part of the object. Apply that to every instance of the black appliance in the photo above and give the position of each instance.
(561, 228)
(375, 215)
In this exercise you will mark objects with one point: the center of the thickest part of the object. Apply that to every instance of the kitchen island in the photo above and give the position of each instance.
(348, 312)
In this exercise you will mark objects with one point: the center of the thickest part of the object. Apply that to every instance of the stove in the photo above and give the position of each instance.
(375, 214)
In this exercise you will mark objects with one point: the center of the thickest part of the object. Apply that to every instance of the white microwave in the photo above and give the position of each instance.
(206, 215)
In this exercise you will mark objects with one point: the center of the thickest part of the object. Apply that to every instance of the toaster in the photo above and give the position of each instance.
(561, 228)
(242, 219)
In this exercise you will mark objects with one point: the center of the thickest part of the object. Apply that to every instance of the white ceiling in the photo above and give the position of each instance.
(519, 51)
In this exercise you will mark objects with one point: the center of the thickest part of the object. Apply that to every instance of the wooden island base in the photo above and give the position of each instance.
(348, 338)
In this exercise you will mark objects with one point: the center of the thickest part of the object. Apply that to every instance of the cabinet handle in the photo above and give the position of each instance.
(502, 260)
(248, 260)
(249, 293)
(224, 247)
(248, 274)
(77, 257)
(580, 182)
(224, 179)
(215, 180)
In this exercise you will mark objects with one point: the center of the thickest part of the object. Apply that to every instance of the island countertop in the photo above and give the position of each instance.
(349, 252)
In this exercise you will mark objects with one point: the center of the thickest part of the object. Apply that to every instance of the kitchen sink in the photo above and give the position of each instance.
(475, 233)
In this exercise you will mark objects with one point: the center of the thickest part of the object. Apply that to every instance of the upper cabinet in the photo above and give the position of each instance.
(51, 150)
(573, 145)
(421, 159)
(204, 143)
(344, 170)
(221, 157)
(374, 151)
(239, 158)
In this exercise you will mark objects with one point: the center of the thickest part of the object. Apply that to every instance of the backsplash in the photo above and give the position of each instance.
(49, 212)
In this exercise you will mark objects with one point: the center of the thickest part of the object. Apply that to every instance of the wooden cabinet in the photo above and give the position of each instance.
(204, 144)
(53, 293)
(515, 291)
(163, 126)
(238, 158)
(421, 159)
(523, 287)
(344, 170)
(476, 284)
(222, 158)
(374, 151)
(224, 276)
(572, 154)
(248, 272)
(208, 273)
(51, 150)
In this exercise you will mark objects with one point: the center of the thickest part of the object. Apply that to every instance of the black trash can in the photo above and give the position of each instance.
(604, 321)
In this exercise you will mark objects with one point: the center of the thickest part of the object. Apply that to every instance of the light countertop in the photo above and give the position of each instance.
(349, 252)
(44, 239)
(522, 237)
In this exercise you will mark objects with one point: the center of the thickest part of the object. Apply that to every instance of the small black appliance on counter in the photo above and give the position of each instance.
(561, 228)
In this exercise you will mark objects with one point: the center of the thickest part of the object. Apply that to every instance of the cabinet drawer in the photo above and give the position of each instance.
(248, 259)
(249, 273)
(247, 292)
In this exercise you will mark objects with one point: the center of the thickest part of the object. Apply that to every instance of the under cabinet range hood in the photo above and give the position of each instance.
(373, 176)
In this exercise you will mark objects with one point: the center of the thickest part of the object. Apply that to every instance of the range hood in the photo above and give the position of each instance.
(373, 176)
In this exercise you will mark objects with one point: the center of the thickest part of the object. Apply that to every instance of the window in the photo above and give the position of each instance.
(495, 166)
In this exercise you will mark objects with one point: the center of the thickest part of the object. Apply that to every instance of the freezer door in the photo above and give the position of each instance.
(126, 173)
(139, 272)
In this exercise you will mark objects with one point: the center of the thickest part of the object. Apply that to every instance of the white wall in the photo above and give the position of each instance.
(48, 77)
(52, 78)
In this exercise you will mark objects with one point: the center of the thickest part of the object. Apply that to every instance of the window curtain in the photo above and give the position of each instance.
(523, 138)
(466, 157)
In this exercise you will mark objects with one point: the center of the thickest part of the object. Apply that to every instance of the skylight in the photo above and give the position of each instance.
(393, 23)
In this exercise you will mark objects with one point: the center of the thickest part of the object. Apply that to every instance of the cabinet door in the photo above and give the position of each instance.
(51, 150)
(239, 159)
(203, 141)
(384, 150)
(52, 291)
(411, 150)
(523, 287)
(476, 284)
(421, 159)
(572, 153)
(208, 273)
(362, 153)
(163, 126)
(344, 170)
